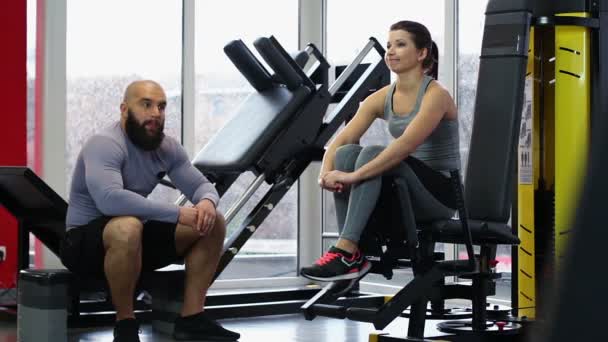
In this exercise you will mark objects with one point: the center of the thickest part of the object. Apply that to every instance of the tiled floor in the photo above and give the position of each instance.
(284, 328)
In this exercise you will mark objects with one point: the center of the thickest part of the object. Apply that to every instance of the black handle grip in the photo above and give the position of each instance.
(278, 63)
(248, 65)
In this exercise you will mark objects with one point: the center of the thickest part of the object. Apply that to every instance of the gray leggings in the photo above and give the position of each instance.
(354, 206)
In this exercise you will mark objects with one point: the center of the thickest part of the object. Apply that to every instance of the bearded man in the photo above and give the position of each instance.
(115, 231)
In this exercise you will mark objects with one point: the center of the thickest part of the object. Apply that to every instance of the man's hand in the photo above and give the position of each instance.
(206, 216)
(188, 216)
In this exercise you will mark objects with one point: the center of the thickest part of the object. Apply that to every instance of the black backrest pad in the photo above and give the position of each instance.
(282, 64)
(498, 108)
(248, 65)
(299, 69)
(300, 57)
(40, 209)
(241, 142)
(25, 195)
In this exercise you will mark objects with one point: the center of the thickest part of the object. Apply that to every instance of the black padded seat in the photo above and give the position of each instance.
(482, 232)
(386, 220)
(241, 142)
(39, 209)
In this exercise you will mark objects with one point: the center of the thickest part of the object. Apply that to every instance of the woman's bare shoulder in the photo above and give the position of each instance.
(375, 102)
(439, 93)
(438, 89)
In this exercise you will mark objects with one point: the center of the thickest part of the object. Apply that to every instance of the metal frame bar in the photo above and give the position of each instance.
(255, 185)
(333, 89)
(312, 29)
(188, 76)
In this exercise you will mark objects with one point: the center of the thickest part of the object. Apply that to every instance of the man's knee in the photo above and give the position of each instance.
(346, 156)
(123, 232)
(220, 227)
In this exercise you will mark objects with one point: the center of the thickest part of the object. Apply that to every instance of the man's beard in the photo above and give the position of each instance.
(139, 136)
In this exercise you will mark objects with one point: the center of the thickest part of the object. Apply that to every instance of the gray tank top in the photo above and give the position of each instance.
(440, 150)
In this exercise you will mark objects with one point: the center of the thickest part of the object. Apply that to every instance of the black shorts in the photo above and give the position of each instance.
(83, 253)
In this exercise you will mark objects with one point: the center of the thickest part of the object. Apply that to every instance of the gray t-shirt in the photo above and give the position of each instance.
(113, 177)
(441, 148)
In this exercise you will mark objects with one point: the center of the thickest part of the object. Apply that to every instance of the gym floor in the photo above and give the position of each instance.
(278, 328)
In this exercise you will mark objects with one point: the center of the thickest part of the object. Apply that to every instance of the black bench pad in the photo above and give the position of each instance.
(482, 232)
(241, 142)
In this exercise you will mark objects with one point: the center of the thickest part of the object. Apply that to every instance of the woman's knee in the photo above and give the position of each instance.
(368, 153)
(346, 155)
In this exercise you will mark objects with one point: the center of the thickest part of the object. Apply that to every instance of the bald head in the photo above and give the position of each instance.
(135, 89)
(142, 113)
(141, 95)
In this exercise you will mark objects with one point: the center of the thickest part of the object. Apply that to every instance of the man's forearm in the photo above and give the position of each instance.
(121, 202)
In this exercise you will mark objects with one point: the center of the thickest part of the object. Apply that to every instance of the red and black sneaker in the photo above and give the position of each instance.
(337, 264)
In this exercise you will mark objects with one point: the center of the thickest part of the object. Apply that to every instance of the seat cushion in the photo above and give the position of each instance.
(258, 121)
(482, 232)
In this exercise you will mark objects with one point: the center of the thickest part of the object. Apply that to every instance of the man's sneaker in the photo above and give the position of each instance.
(126, 330)
(337, 264)
(201, 327)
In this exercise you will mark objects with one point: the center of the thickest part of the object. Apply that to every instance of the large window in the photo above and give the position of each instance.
(220, 89)
(109, 44)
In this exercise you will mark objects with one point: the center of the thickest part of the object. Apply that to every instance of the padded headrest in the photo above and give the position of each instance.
(248, 65)
(301, 58)
(279, 63)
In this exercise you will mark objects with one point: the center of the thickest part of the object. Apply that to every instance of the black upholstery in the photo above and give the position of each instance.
(498, 107)
(258, 120)
(244, 60)
(40, 209)
(386, 227)
(511, 6)
(281, 65)
(483, 232)
(263, 115)
(300, 57)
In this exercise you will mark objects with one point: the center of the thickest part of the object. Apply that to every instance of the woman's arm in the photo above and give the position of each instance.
(435, 104)
(370, 109)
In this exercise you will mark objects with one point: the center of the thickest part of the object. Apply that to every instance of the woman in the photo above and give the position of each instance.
(422, 117)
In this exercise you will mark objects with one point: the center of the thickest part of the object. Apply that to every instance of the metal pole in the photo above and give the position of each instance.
(350, 68)
(239, 204)
(244, 198)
